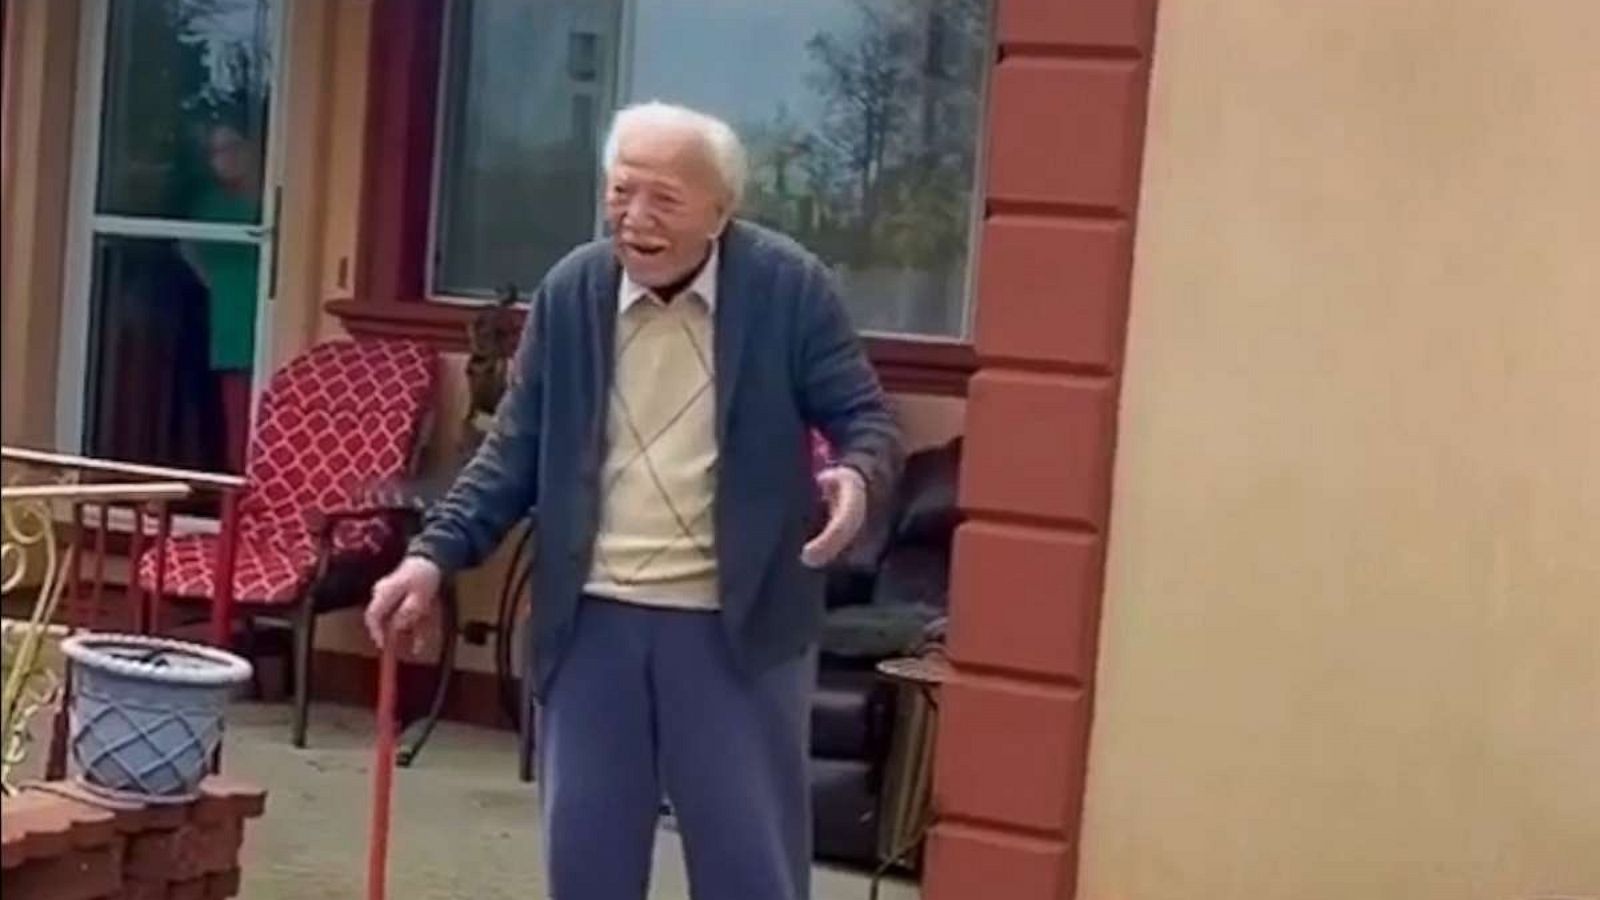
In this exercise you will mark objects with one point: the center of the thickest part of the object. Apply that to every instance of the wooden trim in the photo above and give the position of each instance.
(911, 366)
(403, 57)
(439, 324)
(391, 271)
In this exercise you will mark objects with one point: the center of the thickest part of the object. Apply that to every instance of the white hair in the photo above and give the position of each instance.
(726, 151)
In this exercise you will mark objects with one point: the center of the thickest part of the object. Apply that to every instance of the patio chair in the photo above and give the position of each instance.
(313, 524)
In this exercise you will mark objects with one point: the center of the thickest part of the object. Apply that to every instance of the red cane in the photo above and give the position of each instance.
(382, 773)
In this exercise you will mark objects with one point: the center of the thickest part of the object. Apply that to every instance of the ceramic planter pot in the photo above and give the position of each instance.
(147, 713)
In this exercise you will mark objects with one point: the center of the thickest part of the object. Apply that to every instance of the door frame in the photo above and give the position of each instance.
(84, 224)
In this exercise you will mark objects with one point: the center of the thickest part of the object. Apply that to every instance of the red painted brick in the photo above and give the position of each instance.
(33, 825)
(969, 864)
(83, 852)
(74, 875)
(1079, 23)
(223, 798)
(1064, 138)
(1053, 290)
(127, 820)
(152, 818)
(183, 853)
(1011, 753)
(220, 885)
(144, 889)
(218, 846)
(155, 855)
(1038, 445)
(40, 825)
(191, 853)
(1066, 131)
(1025, 599)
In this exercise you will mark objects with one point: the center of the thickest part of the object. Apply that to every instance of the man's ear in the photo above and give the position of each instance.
(725, 213)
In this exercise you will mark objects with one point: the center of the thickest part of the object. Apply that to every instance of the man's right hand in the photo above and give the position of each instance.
(403, 599)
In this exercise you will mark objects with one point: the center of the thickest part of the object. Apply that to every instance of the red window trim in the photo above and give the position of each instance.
(390, 292)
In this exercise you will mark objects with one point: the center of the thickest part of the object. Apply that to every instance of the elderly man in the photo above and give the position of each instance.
(665, 387)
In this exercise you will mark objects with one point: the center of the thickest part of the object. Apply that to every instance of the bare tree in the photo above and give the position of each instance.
(864, 77)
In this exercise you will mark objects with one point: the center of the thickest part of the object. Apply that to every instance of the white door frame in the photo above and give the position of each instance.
(84, 224)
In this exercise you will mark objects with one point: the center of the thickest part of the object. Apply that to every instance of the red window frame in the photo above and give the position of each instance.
(390, 295)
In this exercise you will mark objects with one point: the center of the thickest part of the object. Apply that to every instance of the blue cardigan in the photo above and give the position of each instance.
(786, 360)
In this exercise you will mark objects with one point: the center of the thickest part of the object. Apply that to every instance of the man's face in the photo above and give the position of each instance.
(664, 203)
(232, 157)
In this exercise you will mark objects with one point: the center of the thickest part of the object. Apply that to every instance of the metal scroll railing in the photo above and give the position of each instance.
(48, 590)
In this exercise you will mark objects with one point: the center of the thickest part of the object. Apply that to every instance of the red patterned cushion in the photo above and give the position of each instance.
(340, 416)
(262, 573)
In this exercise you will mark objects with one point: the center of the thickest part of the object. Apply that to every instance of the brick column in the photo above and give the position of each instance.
(1065, 140)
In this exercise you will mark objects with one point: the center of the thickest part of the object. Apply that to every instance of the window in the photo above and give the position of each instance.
(862, 117)
(518, 179)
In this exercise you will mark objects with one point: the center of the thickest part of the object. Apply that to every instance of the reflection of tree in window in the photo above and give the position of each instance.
(862, 118)
(887, 172)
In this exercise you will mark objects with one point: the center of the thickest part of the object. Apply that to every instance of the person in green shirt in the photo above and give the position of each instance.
(230, 273)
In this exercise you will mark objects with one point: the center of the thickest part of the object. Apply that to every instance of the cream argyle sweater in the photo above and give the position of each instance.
(655, 544)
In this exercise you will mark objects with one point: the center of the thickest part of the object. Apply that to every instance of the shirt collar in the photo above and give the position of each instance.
(704, 285)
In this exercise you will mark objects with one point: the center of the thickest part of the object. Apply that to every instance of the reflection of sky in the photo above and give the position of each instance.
(733, 58)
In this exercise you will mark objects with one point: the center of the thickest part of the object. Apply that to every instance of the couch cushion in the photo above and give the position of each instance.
(876, 631)
(844, 810)
(927, 504)
(914, 574)
(845, 711)
(849, 584)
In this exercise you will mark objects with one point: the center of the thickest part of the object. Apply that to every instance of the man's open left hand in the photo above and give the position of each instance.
(845, 493)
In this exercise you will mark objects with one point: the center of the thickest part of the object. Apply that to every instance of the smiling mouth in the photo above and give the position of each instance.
(645, 248)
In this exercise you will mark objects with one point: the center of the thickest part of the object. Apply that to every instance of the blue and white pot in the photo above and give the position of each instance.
(147, 713)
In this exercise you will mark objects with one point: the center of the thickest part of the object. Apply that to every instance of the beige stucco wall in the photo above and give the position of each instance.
(346, 85)
(1351, 636)
(40, 60)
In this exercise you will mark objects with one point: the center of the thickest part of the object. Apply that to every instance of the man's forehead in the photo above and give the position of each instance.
(674, 151)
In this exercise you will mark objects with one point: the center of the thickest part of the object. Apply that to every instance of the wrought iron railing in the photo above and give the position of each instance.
(41, 559)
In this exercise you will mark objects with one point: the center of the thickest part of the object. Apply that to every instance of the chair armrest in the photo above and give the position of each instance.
(322, 522)
(382, 498)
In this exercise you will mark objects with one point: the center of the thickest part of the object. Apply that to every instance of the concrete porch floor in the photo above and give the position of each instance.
(464, 825)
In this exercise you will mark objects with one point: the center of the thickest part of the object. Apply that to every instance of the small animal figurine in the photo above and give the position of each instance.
(491, 342)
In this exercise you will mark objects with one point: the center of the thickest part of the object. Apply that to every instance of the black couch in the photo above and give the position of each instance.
(886, 598)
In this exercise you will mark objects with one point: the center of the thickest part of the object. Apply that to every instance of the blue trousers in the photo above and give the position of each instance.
(646, 703)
